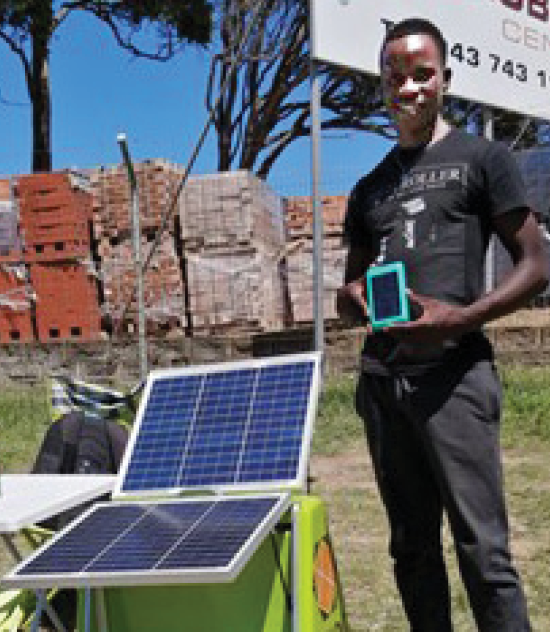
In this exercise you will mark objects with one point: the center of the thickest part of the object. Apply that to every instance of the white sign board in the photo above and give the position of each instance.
(499, 50)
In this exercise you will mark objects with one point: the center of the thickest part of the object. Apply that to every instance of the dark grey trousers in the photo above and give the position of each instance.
(434, 442)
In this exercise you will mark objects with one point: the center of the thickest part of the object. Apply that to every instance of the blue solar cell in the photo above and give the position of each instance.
(85, 541)
(151, 537)
(221, 535)
(222, 427)
(164, 433)
(115, 540)
(275, 434)
(218, 433)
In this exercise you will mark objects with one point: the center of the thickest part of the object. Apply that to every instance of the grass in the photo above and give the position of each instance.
(342, 475)
(23, 420)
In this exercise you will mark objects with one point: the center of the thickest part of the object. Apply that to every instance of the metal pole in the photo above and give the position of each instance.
(136, 243)
(490, 272)
(318, 316)
(295, 553)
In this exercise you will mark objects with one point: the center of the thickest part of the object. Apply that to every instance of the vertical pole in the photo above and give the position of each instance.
(87, 609)
(40, 601)
(490, 264)
(295, 546)
(318, 316)
(136, 243)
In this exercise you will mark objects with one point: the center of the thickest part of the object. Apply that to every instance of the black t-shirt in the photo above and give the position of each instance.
(432, 208)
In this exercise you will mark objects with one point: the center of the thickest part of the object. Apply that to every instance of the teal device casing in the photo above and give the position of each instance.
(387, 295)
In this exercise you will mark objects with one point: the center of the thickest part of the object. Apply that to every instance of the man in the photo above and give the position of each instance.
(428, 390)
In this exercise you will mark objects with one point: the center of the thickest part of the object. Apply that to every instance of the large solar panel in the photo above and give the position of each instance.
(194, 540)
(231, 426)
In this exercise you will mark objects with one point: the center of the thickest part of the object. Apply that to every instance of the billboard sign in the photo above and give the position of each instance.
(499, 50)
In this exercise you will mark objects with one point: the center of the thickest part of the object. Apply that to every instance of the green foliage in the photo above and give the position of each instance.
(25, 16)
(337, 425)
(526, 414)
(24, 417)
(25, 413)
(190, 20)
(526, 404)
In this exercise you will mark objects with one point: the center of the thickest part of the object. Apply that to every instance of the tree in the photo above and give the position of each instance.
(258, 89)
(28, 26)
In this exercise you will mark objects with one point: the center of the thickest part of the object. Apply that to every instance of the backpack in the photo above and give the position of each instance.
(76, 444)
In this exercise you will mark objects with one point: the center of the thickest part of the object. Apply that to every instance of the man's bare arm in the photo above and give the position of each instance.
(522, 238)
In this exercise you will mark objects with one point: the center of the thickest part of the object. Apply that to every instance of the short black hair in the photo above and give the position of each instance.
(417, 26)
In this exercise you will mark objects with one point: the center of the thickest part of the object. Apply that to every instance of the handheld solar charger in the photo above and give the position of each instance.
(245, 549)
(387, 295)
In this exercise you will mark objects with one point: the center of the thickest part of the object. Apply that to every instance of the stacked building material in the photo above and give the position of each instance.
(233, 240)
(164, 289)
(10, 239)
(157, 181)
(230, 209)
(299, 218)
(55, 214)
(164, 301)
(15, 291)
(55, 217)
(67, 305)
(16, 323)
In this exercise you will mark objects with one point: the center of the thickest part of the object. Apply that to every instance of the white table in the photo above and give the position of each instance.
(29, 498)
(26, 499)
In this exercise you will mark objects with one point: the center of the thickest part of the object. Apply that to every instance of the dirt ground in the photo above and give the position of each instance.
(359, 532)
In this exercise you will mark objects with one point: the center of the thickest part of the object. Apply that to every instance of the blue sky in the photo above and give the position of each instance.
(98, 90)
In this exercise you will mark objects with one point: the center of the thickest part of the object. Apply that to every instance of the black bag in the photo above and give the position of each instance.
(75, 444)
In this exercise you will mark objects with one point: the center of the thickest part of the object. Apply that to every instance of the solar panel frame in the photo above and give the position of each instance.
(111, 576)
(180, 442)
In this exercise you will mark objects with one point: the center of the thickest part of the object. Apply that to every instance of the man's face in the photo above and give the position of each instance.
(413, 82)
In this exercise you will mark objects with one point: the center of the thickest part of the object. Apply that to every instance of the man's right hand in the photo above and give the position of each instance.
(351, 303)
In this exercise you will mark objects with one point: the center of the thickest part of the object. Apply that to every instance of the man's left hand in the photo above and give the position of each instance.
(437, 321)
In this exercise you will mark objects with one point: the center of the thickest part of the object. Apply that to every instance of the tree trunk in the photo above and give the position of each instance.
(41, 106)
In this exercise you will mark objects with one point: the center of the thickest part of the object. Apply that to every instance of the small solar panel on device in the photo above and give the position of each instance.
(180, 541)
(233, 425)
(385, 290)
(386, 294)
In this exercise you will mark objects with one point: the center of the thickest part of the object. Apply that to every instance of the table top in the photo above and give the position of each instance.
(29, 498)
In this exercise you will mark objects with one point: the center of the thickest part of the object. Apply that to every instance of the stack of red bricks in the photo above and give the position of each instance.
(299, 219)
(233, 239)
(164, 289)
(55, 219)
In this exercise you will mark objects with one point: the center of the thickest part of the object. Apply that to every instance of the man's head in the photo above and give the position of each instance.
(416, 26)
(414, 76)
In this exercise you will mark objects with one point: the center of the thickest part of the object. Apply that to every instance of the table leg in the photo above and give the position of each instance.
(9, 541)
(100, 610)
(40, 601)
(87, 608)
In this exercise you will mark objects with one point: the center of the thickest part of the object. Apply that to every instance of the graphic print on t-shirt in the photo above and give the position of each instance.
(417, 219)
(411, 207)
(414, 206)
(427, 178)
